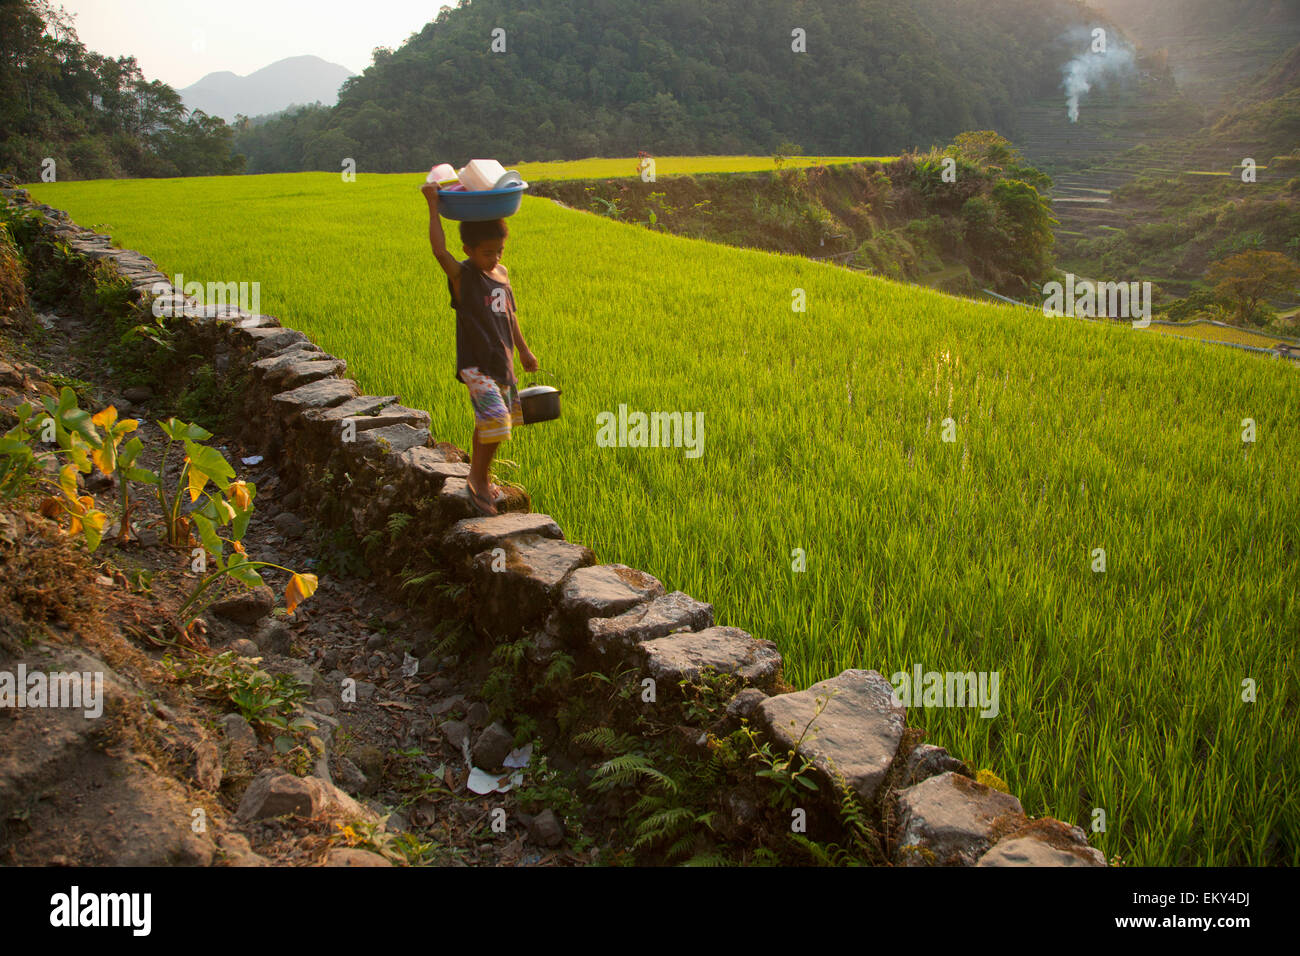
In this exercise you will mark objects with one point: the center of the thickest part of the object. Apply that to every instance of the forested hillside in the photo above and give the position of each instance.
(93, 116)
(611, 77)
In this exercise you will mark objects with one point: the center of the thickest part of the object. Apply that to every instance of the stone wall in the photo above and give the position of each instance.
(361, 458)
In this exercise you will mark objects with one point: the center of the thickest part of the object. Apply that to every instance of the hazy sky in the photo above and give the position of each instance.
(179, 41)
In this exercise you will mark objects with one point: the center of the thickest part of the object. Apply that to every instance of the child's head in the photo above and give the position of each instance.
(484, 242)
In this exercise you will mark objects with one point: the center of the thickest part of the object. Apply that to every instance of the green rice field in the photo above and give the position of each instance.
(1216, 333)
(1120, 691)
(607, 168)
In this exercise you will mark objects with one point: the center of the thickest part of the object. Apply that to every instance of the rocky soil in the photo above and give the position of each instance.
(169, 776)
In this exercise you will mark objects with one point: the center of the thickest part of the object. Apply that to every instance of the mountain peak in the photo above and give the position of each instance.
(294, 79)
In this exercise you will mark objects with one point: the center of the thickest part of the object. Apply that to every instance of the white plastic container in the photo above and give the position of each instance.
(481, 174)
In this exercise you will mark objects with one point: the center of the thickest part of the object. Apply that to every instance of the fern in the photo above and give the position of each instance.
(458, 637)
(819, 854)
(606, 740)
(647, 804)
(413, 579)
(498, 690)
(710, 858)
(397, 523)
(511, 653)
(559, 671)
(371, 541)
(662, 824)
(830, 854)
(628, 769)
(682, 846)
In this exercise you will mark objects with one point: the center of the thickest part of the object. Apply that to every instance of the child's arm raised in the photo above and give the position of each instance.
(439, 241)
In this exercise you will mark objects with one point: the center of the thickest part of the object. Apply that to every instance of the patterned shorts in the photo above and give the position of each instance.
(496, 407)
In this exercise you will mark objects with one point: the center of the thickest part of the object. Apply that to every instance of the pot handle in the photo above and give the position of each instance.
(541, 371)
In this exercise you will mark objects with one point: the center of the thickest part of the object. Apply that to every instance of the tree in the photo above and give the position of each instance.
(1249, 279)
(785, 150)
(985, 148)
(93, 115)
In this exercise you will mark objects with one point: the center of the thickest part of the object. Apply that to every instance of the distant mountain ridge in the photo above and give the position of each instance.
(296, 79)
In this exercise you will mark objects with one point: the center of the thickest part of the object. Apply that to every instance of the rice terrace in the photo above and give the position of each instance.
(863, 448)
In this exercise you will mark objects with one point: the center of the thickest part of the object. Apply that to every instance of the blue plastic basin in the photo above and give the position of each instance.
(481, 205)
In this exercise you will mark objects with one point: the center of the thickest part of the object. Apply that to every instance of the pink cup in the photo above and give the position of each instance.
(443, 172)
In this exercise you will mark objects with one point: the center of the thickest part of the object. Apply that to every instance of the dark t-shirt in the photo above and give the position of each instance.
(483, 337)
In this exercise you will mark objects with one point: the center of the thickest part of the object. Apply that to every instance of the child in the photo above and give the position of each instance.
(487, 333)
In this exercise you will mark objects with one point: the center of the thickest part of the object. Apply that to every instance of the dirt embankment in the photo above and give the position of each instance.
(852, 214)
(821, 211)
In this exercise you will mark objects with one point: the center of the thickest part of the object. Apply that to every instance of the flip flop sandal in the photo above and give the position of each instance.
(483, 507)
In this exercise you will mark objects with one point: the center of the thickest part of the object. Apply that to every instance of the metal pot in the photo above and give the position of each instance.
(541, 403)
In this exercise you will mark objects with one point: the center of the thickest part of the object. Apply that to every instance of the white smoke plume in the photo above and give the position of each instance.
(1093, 66)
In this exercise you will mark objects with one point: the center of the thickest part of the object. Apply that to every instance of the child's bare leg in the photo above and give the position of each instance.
(480, 465)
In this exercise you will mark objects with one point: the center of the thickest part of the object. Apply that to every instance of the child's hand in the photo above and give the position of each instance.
(529, 361)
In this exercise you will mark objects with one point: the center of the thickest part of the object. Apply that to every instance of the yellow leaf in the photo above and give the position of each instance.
(197, 480)
(96, 519)
(240, 490)
(105, 457)
(105, 418)
(299, 589)
(68, 481)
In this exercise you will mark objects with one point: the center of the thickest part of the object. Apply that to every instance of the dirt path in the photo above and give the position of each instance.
(396, 748)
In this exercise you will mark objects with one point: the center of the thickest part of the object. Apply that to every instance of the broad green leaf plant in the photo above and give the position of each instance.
(84, 442)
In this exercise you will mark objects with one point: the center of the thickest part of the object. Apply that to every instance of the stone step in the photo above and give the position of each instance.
(378, 443)
(606, 590)
(724, 650)
(615, 638)
(1035, 850)
(389, 416)
(517, 587)
(470, 536)
(856, 734)
(361, 405)
(949, 820)
(268, 342)
(454, 502)
(423, 472)
(292, 403)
